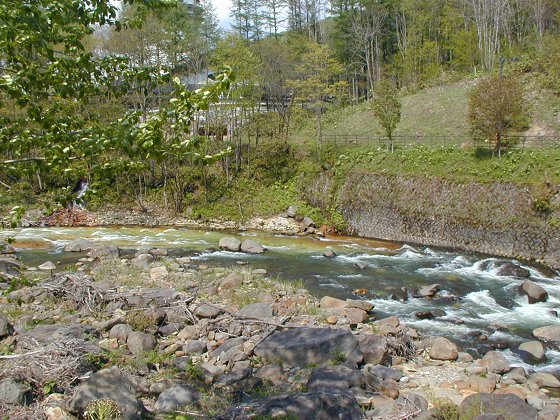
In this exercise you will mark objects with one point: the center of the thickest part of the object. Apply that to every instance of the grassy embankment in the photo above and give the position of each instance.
(437, 111)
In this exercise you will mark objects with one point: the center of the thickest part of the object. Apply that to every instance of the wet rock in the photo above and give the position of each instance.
(535, 293)
(251, 247)
(16, 393)
(139, 343)
(79, 245)
(175, 397)
(432, 314)
(230, 244)
(231, 281)
(105, 251)
(495, 362)
(548, 333)
(325, 379)
(508, 405)
(311, 405)
(206, 311)
(443, 349)
(509, 269)
(305, 346)
(535, 349)
(428, 291)
(256, 310)
(373, 347)
(400, 294)
(329, 254)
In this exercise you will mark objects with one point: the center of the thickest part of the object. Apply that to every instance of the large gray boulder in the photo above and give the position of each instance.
(548, 333)
(15, 393)
(535, 349)
(373, 347)
(428, 291)
(306, 346)
(9, 266)
(312, 406)
(256, 310)
(535, 293)
(495, 362)
(104, 251)
(175, 397)
(79, 245)
(139, 343)
(5, 326)
(112, 384)
(230, 244)
(508, 405)
(325, 379)
(443, 349)
(509, 269)
(251, 247)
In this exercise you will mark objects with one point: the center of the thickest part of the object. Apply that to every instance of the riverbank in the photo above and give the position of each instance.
(163, 334)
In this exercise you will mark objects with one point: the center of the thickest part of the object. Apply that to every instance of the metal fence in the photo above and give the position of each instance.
(399, 142)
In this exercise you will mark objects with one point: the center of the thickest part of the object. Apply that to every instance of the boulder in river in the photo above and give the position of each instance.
(428, 291)
(105, 251)
(535, 293)
(495, 362)
(329, 254)
(79, 245)
(300, 347)
(548, 333)
(509, 269)
(251, 247)
(230, 244)
(47, 266)
(535, 349)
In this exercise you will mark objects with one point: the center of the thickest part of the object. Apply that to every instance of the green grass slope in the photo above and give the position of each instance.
(436, 111)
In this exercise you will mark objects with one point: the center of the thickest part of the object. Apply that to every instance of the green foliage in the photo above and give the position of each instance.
(387, 107)
(445, 409)
(339, 358)
(194, 371)
(496, 107)
(102, 409)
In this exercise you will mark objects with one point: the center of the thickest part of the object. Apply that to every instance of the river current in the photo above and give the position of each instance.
(474, 298)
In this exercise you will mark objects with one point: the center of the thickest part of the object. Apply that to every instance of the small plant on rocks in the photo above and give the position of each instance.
(103, 409)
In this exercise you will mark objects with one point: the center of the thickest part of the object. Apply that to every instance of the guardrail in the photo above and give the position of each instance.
(381, 142)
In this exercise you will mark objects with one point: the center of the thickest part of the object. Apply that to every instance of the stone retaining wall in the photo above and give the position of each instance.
(495, 218)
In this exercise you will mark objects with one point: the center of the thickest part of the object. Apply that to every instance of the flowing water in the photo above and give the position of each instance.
(473, 295)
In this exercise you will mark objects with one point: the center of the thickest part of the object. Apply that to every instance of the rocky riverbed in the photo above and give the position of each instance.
(160, 337)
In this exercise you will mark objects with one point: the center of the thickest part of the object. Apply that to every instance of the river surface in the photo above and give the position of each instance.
(483, 296)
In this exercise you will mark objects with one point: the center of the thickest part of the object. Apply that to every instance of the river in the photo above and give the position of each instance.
(473, 295)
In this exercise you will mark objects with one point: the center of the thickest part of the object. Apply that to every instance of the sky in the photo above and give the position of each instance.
(222, 10)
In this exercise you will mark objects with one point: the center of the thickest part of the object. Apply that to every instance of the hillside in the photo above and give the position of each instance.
(435, 111)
